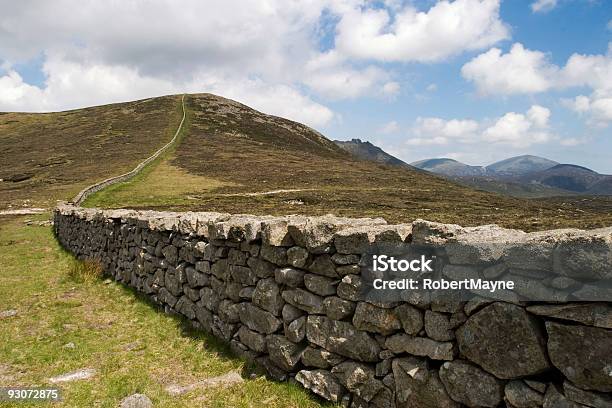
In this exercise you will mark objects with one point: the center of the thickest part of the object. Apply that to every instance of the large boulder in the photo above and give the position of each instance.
(417, 385)
(504, 340)
(341, 338)
(583, 354)
(470, 385)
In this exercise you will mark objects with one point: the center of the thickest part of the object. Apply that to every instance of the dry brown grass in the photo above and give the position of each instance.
(87, 271)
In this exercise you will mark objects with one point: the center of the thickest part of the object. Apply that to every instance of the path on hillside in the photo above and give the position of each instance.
(86, 192)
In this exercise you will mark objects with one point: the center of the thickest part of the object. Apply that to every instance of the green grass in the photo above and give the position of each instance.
(133, 346)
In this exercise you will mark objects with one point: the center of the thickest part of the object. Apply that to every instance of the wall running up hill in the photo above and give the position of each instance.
(292, 294)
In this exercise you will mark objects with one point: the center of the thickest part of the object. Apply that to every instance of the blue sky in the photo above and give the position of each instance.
(475, 80)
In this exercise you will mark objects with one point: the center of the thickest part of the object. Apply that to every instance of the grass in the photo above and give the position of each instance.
(133, 346)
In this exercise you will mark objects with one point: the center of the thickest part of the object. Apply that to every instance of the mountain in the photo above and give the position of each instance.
(573, 178)
(519, 165)
(231, 158)
(368, 151)
(449, 167)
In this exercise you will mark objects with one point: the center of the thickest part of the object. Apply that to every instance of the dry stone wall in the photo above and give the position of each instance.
(288, 293)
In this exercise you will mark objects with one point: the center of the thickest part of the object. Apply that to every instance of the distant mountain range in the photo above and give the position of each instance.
(521, 176)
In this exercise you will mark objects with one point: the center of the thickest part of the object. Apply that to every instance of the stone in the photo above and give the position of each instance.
(253, 340)
(345, 259)
(173, 284)
(229, 311)
(323, 265)
(359, 379)
(320, 358)
(323, 383)
(320, 285)
(83, 374)
(337, 309)
(289, 276)
(351, 288)
(420, 346)
(584, 256)
(348, 270)
(209, 299)
(417, 385)
(219, 269)
(475, 304)
(282, 352)
(410, 317)
(582, 354)
(170, 253)
(438, 326)
(297, 256)
(275, 232)
(375, 319)
(246, 293)
(588, 398)
(296, 330)
(259, 320)
(136, 401)
(290, 313)
(186, 307)
(554, 399)
(261, 268)
(196, 279)
(205, 318)
(272, 370)
(267, 296)
(243, 275)
(504, 340)
(591, 314)
(237, 257)
(470, 385)
(304, 300)
(341, 338)
(273, 254)
(8, 313)
(495, 271)
(520, 395)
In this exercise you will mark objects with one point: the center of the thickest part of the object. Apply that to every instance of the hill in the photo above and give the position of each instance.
(520, 165)
(51, 156)
(368, 151)
(449, 167)
(573, 178)
(232, 158)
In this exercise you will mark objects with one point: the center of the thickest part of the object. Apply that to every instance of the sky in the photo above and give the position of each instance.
(473, 80)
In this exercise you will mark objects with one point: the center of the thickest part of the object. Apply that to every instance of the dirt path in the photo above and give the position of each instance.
(86, 192)
(267, 192)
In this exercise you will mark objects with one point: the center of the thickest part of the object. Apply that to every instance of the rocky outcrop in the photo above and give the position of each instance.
(294, 295)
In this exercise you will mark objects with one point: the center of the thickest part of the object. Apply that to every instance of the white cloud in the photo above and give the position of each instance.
(389, 128)
(515, 129)
(543, 6)
(446, 29)
(519, 71)
(72, 85)
(523, 71)
(538, 115)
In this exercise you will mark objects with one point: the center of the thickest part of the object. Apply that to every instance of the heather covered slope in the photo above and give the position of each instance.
(238, 160)
(50, 156)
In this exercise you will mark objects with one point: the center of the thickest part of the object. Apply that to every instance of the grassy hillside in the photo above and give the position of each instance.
(235, 159)
(45, 157)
